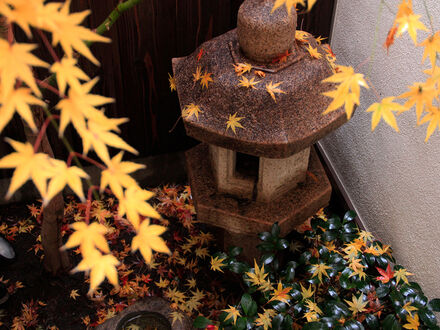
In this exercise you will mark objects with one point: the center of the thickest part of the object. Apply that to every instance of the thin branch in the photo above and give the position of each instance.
(43, 131)
(48, 46)
(45, 85)
(86, 158)
(376, 35)
(429, 16)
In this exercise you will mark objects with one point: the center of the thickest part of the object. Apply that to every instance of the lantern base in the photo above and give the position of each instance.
(250, 217)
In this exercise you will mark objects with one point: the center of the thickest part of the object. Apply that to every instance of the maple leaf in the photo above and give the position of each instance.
(99, 135)
(301, 36)
(348, 91)
(191, 110)
(176, 316)
(18, 100)
(62, 175)
(200, 54)
(432, 47)
(198, 75)
(384, 110)
(320, 39)
(163, 283)
(386, 275)
(67, 72)
(205, 79)
(175, 295)
(413, 322)
(319, 270)
(265, 319)
(248, 83)
(232, 313)
(289, 4)
(421, 95)
(117, 175)
(366, 236)
(16, 63)
(401, 275)
(307, 293)
(259, 73)
(433, 117)
(411, 23)
(281, 294)
(172, 82)
(217, 263)
(242, 68)
(357, 305)
(72, 36)
(313, 307)
(282, 58)
(88, 237)
(314, 52)
(100, 266)
(74, 294)
(28, 165)
(191, 283)
(234, 122)
(23, 13)
(273, 88)
(409, 308)
(148, 239)
(258, 276)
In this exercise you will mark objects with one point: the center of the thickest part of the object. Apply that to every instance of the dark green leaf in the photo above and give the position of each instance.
(235, 251)
(435, 305)
(253, 309)
(314, 326)
(329, 322)
(295, 294)
(349, 216)
(353, 325)
(287, 323)
(238, 267)
(265, 236)
(282, 244)
(420, 301)
(298, 308)
(427, 317)
(305, 257)
(372, 321)
(323, 251)
(241, 323)
(201, 322)
(246, 302)
(267, 258)
(350, 227)
(279, 306)
(332, 292)
(390, 323)
(290, 273)
(275, 230)
(348, 237)
(396, 298)
(382, 291)
(277, 321)
(337, 309)
(334, 223)
(415, 286)
(266, 246)
(329, 235)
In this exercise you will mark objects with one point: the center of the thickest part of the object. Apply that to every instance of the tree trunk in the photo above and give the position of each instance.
(55, 260)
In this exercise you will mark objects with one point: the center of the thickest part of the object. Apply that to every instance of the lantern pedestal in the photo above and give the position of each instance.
(247, 217)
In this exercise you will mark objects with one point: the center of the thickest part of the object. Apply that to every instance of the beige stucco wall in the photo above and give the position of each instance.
(392, 179)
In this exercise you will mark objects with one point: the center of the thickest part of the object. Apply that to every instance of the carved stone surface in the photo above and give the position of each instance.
(151, 304)
(247, 217)
(272, 129)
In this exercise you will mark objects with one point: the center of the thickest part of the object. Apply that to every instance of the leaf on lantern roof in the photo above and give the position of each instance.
(67, 72)
(301, 36)
(198, 75)
(320, 39)
(18, 100)
(176, 316)
(289, 4)
(314, 52)
(248, 83)
(27, 165)
(148, 239)
(191, 110)
(234, 122)
(272, 88)
(16, 62)
(260, 74)
(384, 110)
(205, 79)
(242, 68)
(172, 82)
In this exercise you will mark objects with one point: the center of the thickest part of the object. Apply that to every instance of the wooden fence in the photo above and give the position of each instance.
(134, 67)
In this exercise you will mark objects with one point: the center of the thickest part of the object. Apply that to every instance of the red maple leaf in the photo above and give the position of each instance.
(282, 57)
(119, 307)
(386, 275)
(200, 54)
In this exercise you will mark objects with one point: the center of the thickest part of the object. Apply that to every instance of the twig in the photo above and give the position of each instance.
(43, 131)
(45, 85)
(48, 46)
(86, 158)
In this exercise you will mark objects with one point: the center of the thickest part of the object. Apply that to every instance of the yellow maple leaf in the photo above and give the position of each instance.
(421, 95)
(409, 308)
(100, 267)
(248, 83)
(16, 63)
(289, 4)
(176, 316)
(148, 239)
(319, 270)
(384, 110)
(205, 79)
(301, 36)
(311, 316)
(410, 23)
(88, 237)
(74, 294)
(258, 276)
(265, 319)
(117, 175)
(172, 82)
(357, 305)
(313, 307)
(307, 293)
(18, 100)
(71, 35)
(401, 275)
(433, 117)
(217, 264)
(134, 204)
(80, 105)
(24, 13)
(413, 322)
(98, 135)
(198, 75)
(191, 110)
(234, 122)
(432, 47)
(242, 68)
(281, 294)
(175, 295)
(233, 313)
(163, 283)
(314, 52)
(272, 88)
(28, 165)
(348, 91)
(67, 72)
(191, 283)
(62, 175)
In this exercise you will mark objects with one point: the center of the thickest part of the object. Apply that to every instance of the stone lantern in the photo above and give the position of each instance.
(265, 172)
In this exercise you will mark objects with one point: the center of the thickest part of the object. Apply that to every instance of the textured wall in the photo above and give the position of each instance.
(391, 178)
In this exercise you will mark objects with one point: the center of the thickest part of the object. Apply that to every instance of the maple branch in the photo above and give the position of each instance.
(10, 34)
(73, 154)
(47, 86)
(429, 16)
(48, 46)
(89, 203)
(43, 131)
